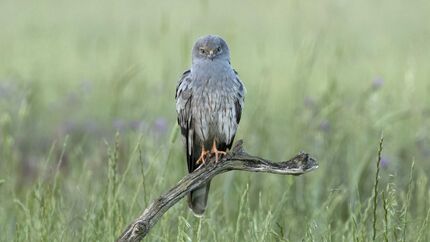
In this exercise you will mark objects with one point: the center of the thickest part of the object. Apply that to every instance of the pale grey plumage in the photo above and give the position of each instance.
(209, 101)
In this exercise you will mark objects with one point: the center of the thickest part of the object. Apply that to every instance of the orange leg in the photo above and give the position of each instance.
(217, 152)
(202, 158)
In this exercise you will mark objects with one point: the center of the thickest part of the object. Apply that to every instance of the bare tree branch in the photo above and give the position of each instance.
(237, 159)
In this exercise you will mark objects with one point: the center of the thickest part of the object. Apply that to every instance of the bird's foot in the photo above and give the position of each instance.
(216, 152)
(202, 158)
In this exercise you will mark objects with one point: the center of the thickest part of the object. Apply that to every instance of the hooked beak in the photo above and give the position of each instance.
(211, 55)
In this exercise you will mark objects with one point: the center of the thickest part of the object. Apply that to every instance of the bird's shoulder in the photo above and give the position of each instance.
(183, 83)
(240, 87)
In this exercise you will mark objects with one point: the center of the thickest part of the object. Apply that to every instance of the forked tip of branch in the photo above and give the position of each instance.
(302, 161)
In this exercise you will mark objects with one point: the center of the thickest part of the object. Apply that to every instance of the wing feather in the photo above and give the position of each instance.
(183, 98)
(238, 104)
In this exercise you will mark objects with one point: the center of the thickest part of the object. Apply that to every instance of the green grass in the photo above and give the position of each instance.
(88, 125)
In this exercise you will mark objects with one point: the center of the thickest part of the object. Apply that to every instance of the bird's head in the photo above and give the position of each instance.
(211, 47)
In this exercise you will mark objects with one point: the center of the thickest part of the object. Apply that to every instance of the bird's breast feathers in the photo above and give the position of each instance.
(214, 113)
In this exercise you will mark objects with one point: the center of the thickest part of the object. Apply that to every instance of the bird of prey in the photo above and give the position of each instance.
(209, 101)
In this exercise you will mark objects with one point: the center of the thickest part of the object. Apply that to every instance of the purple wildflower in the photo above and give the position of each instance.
(385, 161)
(136, 125)
(377, 83)
(160, 126)
(118, 124)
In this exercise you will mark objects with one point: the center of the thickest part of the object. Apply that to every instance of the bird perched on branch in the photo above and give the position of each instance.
(209, 101)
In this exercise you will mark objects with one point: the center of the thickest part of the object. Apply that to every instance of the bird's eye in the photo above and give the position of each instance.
(202, 51)
(218, 49)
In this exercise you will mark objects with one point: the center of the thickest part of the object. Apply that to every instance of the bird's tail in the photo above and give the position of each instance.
(198, 199)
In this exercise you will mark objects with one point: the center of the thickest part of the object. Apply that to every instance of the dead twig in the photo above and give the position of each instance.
(236, 159)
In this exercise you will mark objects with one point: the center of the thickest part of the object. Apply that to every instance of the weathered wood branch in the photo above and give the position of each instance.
(236, 159)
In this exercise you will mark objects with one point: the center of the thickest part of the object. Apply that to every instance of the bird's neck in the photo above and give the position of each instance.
(211, 66)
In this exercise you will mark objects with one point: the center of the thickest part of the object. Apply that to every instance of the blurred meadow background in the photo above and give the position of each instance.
(88, 134)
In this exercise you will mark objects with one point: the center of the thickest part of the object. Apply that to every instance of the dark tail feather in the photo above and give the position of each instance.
(198, 199)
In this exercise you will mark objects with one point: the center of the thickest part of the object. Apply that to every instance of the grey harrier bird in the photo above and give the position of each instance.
(209, 101)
